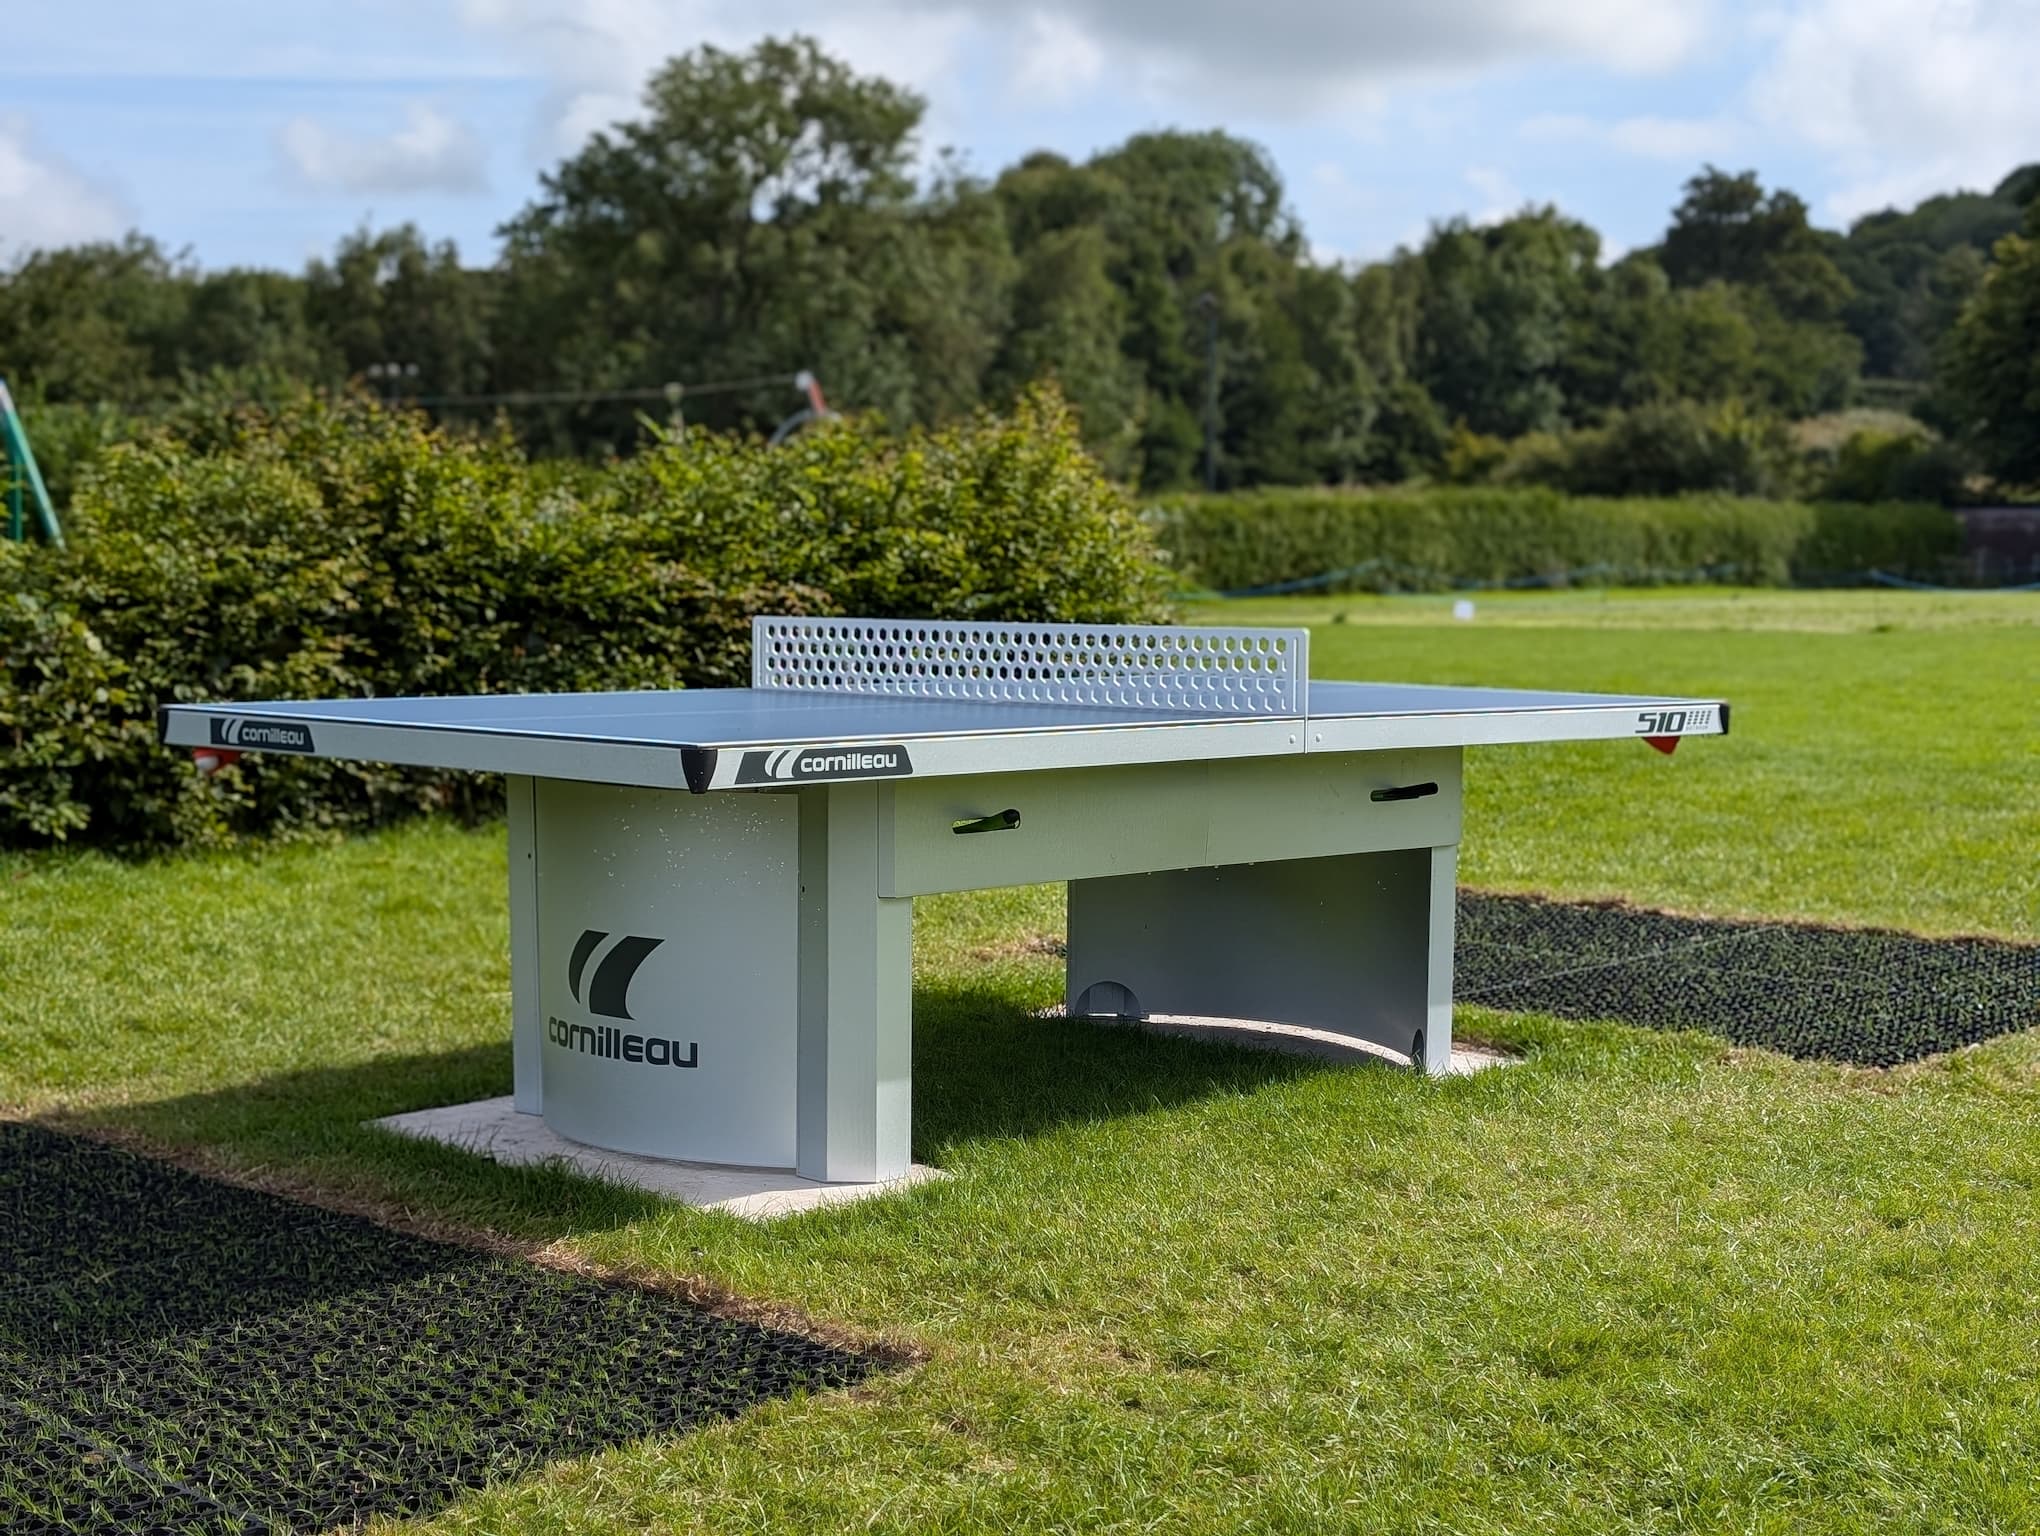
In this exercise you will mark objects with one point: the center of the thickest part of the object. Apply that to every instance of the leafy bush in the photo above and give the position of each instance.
(1004, 518)
(66, 438)
(1433, 539)
(1908, 465)
(339, 549)
(1665, 449)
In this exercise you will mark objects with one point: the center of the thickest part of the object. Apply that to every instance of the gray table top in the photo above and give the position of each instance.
(737, 717)
(630, 737)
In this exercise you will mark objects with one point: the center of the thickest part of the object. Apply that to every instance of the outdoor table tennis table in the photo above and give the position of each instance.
(711, 891)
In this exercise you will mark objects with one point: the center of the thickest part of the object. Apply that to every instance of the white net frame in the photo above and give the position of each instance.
(1204, 670)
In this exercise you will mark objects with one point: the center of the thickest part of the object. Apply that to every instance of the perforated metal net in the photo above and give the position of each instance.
(180, 1355)
(1203, 669)
(1865, 996)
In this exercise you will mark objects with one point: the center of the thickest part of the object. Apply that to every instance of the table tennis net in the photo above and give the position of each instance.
(1196, 670)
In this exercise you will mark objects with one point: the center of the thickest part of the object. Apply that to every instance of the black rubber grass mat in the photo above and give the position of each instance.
(178, 1354)
(1865, 996)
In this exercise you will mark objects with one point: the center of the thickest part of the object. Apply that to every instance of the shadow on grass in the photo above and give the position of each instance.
(308, 1130)
(985, 1068)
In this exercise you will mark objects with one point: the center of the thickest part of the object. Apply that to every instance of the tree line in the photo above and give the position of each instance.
(764, 216)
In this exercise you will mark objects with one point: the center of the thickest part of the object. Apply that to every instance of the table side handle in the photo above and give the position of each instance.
(1405, 792)
(998, 821)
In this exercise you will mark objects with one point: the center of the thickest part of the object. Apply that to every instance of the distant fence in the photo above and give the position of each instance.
(2002, 544)
(1391, 577)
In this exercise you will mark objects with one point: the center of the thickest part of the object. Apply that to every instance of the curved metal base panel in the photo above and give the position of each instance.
(667, 1002)
(1359, 945)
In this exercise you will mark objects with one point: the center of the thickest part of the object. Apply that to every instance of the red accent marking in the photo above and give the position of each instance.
(1664, 744)
(213, 759)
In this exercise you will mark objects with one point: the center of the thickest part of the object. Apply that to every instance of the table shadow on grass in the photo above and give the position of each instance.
(313, 1125)
(181, 1354)
(985, 1068)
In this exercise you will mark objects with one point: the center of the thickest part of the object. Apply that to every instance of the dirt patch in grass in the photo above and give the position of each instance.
(1023, 946)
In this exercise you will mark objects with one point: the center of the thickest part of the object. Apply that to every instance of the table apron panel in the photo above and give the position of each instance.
(1079, 824)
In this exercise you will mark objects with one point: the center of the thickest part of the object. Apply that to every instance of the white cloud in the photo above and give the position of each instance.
(595, 55)
(1558, 128)
(1289, 57)
(1285, 58)
(1498, 195)
(1056, 58)
(44, 202)
(430, 153)
(1335, 186)
(1906, 97)
(1902, 99)
(1686, 139)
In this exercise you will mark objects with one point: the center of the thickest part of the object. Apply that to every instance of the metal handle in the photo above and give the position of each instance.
(998, 821)
(1405, 792)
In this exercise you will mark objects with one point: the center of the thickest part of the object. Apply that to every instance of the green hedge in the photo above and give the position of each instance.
(338, 549)
(1385, 541)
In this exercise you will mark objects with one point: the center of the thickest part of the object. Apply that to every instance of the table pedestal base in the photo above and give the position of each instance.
(728, 978)
(493, 1128)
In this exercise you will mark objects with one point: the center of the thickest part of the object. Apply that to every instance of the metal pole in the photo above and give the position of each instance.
(17, 513)
(26, 477)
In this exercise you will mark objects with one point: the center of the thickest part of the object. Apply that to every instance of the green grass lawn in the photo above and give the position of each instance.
(1638, 1283)
(1884, 766)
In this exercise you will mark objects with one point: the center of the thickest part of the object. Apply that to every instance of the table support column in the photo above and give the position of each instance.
(1356, 944)
(526, 1013)
(1437, 1052)
(854, 1111)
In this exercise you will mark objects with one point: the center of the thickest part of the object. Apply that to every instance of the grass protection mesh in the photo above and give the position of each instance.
(1864, 996)
(178, 1354)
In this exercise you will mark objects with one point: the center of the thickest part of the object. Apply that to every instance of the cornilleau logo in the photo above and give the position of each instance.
(610, 985)
(805, 765)
(250, 735)
(607, 994)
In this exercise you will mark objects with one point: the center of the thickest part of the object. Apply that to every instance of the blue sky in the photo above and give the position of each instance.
(257, 132)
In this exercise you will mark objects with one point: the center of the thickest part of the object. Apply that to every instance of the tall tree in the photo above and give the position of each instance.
(92, 323)
(1728, 229)
(758, 218)
(395, 298)
(1186, 201)
(1991, 367)
(1068, 319)
(1913, 271)
(254, 325)
(1500, 304)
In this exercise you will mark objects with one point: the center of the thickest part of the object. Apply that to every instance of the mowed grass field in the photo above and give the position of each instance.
(1636, 1283)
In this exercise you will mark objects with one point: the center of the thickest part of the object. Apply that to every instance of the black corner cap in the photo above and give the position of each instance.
(163, 724)
(1724, 718)
(698, 766)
